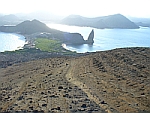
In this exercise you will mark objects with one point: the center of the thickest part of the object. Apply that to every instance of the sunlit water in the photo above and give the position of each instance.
(10, 42)
(107, 39)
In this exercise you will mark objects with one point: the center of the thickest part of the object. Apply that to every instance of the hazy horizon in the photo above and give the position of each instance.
(87, 8)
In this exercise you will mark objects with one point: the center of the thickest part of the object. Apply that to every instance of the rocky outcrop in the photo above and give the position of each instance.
(90, 38)
(76, 38)
(73, 38)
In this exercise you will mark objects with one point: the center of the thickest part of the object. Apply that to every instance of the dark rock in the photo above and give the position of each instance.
(83, 106)
(42, 93)
(31, 107)
(73, 38)
(20, 98)
(36, 111)
(90, 38)
(58, 108)
(103, 102)
(76, 38)
(60, 87)
(54, 96)
(44, 105)
(142, 93)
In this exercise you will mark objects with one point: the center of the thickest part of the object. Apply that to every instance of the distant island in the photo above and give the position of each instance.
(34, 29)
(110, 22)
(143, 22)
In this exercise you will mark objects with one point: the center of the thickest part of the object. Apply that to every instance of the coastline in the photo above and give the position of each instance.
(11, 41)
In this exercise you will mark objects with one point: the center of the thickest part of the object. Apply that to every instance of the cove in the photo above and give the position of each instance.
(11, 41)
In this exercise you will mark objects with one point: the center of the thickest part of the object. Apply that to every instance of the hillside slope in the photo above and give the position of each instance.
(111, 81)
(28, 27)
(9, 19)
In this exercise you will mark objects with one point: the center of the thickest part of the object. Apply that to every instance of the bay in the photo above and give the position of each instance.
(107, 39)
(104, 39)
(11, 41)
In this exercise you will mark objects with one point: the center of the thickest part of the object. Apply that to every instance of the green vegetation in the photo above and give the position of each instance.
(44, 45)
(24, 50)
(48, 45)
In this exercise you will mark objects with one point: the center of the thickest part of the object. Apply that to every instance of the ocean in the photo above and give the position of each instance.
(107, 39)
(11, 41)
(104, 39)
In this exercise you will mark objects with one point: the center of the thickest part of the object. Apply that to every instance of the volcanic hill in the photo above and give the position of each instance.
(115, 81)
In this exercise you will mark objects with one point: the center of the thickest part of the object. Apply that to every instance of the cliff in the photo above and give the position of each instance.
(73, 38)
(111, 22)
(76, 38)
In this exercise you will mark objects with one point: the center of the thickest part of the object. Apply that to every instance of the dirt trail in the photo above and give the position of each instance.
(114, 81)
(71, 78)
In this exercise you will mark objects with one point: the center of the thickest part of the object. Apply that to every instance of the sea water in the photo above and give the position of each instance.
(107, 39)
(104, 39)
(11, 41)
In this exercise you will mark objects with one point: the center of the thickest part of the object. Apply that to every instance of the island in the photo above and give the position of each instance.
(35, 29)
(116, 21)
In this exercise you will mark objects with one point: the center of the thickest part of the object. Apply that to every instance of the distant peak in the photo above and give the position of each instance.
(116, 14)
(74, 16)
(35, 20)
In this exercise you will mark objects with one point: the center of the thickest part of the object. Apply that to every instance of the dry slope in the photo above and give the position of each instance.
(110, 81)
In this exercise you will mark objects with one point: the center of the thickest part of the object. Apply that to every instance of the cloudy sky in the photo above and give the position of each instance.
(89, 8)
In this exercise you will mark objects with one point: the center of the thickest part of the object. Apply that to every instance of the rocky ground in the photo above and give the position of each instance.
(9, 58)
(110, 81)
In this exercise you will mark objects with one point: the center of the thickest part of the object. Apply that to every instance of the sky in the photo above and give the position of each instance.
(88, 8)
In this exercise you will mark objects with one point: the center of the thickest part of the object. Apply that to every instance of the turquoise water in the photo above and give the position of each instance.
(107, 39)
(10, 41)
